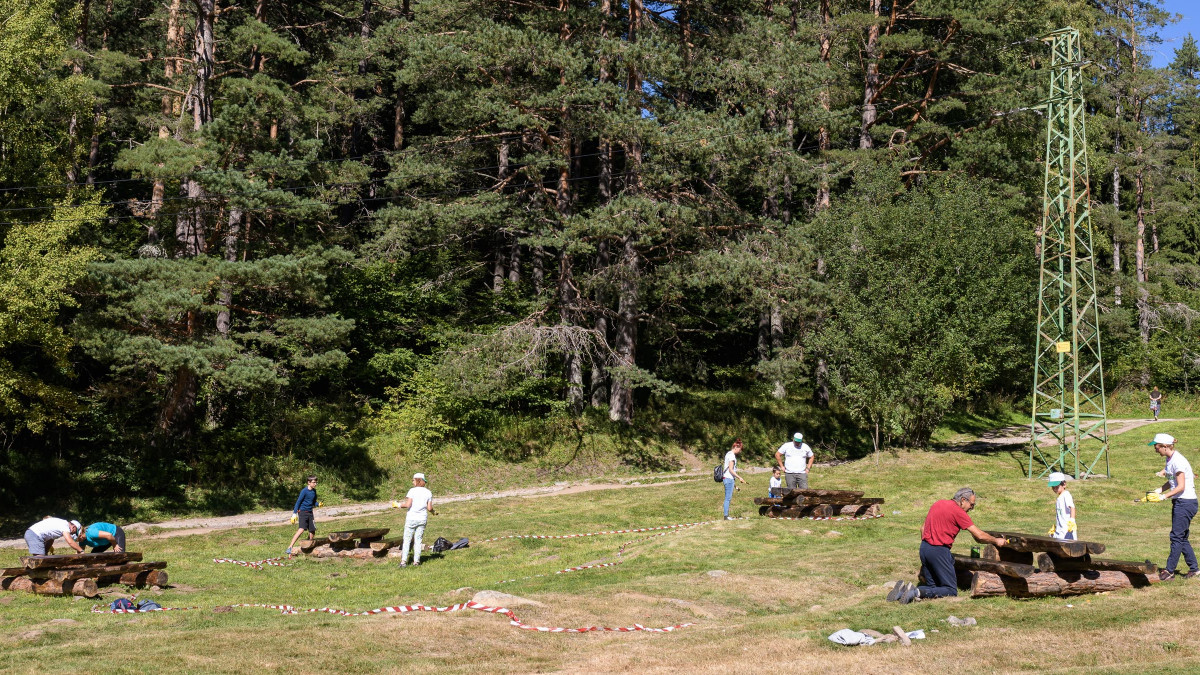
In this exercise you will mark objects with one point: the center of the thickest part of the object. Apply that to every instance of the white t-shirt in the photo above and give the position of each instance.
(729, 457)
(419, 511)
(795, 460)
(1062, 513)
(50, 529)
(776, 482)
(1176, 464)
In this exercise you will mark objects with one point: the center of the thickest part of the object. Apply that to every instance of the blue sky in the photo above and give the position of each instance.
(1173, 35)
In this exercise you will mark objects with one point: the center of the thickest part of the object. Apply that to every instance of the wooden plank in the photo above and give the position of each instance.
(768, 501)
(43, 561)
(1008, 569)
(792, 495)
(13, 571)
(347, 535)
(144, 579)
(385, 545)
(84, 588)
(900, 633)
(990, 552)
(1048, 562)
(309, 544)
(1042, 584)
(73, 573)
(1065, 548)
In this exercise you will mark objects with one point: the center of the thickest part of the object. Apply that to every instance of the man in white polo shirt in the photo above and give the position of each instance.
(795, 459)
(1180, 488)
(40, 536)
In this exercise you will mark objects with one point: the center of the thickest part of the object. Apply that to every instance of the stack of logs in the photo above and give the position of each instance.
(352, 544)
(818, 504)
(81, 574)
(1031, 566)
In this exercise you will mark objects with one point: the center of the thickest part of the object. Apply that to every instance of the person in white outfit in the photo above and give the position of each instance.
(40, 536)
(795, 460)
(419, 502)
(1064, 508)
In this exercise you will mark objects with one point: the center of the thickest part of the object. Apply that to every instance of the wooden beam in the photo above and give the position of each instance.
(144, 579)
(1041, 584)
(1065, 548)
(385, 545)
(43, 561)
(990, 552)
(347, 535)
(73, 573)
(1008, 569)
(791, 495)
(309, 544)
(1048, 562)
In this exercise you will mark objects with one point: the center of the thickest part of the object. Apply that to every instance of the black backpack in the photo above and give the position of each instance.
(719, 473)
(441, 544)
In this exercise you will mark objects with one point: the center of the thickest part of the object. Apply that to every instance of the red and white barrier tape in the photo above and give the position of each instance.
(254, 564)
(596, 534)
(513, 620)
(405, 609)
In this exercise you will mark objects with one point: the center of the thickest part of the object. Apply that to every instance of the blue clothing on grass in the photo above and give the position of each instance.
(728, 494)
(306, 501)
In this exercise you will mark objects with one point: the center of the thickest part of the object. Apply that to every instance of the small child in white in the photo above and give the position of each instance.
(776, 488)
(1064, 508)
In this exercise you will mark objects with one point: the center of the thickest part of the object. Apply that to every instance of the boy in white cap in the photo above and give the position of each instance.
(795, 459)
(1180, 488)
(40, 536)
(419, 502)
(1064, 508)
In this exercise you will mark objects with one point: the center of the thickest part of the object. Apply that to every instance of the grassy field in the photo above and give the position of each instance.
(788, 585)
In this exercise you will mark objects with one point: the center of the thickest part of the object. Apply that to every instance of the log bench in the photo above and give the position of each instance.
(81, 574)
(818, 504)
(1032, 566)
(361, 544)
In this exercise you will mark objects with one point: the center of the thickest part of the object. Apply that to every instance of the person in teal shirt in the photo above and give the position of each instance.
(100, 536)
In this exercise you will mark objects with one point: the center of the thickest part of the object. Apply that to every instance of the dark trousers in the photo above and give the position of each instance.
(119, 536)
(1182, 512)
(937, 567)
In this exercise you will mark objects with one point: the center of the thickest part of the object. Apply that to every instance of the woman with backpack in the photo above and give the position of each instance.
(731, 473)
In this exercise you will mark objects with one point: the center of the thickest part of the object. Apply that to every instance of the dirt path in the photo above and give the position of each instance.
(189, 526)
(999, 438)
(180, 527)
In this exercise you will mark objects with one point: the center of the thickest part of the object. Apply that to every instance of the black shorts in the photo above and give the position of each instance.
(307, 522)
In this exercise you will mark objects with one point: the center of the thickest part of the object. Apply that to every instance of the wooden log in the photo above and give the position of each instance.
(1048, 562)
(857, 510)
(144, 579)
(21, 583)
(793, 495)
(1008, 569)
(44, 561)
(385, 545)
(323, 551)
(836, 501)
(990, 552)
(768, 501)
(84, 588)
(1030, 543)
(900, 633)
(365, 542)
(309, 544)
(357, 534)
(1041, 584)
(360, 553)
(73, 573)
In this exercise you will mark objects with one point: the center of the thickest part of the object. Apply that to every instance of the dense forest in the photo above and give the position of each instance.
(243, 238)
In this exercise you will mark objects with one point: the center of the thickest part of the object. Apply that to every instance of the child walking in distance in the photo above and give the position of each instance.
(1156, 403)
(419, 502)
(302, 512)
(1064, 508)
(776, 488)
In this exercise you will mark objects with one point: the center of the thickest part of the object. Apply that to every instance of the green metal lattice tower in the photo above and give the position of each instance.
(1068, 386)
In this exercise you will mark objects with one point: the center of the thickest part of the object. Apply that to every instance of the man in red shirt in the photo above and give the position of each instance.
(946, 518)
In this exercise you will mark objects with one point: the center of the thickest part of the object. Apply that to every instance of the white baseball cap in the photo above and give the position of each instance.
(78, 527)
(1056, 478)
(1162, 439)
(798, 437)
(418, 475)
